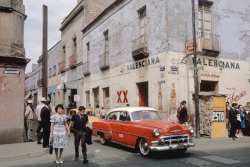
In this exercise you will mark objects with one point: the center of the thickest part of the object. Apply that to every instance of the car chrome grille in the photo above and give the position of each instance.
(175, 139)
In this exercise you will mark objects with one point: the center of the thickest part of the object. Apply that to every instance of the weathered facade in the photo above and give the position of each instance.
(12, 71)
(54, 77)
(70, 65)
(31, 85)
(136, 52)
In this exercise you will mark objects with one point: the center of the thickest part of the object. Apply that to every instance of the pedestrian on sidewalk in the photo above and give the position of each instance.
(183, 113)
(38, 115)
(247, 111)
(97, 110)
(227, 114)
(59, 130)
(45, 124)
(29, 119)
(80, 120)
(233, 120)
(241, 124)
(102, 113)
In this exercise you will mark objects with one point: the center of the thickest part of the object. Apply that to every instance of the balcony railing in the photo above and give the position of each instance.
(72, 60)
(62, 65)
(39, 82)
(210, 44)
(104, 61)
(86, 71)
(139, 48)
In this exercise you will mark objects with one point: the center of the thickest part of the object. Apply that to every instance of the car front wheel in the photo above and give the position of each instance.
(143, 147)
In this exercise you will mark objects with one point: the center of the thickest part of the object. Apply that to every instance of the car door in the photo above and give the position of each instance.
(112, 119)
(125, 135)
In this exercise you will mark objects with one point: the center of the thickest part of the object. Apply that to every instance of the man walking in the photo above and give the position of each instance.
(45, 124)
(183, 113)
(233, 120)
(102, 113)
(80, 120)
(29, 119)
(38, 115)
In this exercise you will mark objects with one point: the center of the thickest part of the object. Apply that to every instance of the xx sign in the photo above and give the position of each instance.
(119, 93)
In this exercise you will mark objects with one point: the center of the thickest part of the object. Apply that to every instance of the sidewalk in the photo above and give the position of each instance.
(21, 150)
(32, 149)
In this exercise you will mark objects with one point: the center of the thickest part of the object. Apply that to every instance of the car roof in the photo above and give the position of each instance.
(132, 109)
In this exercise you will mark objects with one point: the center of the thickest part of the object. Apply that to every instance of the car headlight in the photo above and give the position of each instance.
(156, 132)
(191, 130)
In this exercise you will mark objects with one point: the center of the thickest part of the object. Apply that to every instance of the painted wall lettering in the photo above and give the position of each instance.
(236, 96)
(124, 93)
(210, 75)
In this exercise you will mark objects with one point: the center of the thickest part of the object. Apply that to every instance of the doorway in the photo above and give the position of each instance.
(143, 94)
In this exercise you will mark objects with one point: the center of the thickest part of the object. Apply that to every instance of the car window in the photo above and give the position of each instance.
(145, 115)
(124, 116)
(113, 116)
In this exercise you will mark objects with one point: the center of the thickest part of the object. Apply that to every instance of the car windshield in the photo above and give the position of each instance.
(145, 115)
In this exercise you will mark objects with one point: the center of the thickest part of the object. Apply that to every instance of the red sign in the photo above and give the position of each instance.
(190, 47)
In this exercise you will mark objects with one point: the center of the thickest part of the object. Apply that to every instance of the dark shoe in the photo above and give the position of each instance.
(45, 146)
(75, 159)
(30, 140)
(85, 161)
(39, 142)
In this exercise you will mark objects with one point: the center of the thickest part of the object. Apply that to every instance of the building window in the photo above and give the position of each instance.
(204, 19)
(87, 98)
(209, 86)
(64, 53)
(106, 98)
(142, 24)
(54, 70)
(74, 46)
(88, 50)
(50, 72)
(106, 47)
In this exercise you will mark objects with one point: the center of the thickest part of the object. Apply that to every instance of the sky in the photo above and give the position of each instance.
(57, 11)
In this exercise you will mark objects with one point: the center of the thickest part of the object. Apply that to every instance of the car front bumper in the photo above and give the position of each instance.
(174, 142)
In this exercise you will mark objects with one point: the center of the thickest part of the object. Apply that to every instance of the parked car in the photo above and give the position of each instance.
(90, 112)
(143, 128)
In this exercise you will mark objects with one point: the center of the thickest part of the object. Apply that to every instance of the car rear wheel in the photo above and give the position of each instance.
(102, 139)
(143, 147)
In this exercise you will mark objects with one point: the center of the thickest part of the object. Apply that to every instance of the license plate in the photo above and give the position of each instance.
(181, 146)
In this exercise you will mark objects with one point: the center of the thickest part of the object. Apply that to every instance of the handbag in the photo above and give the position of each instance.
(51, 147)
(238, 117)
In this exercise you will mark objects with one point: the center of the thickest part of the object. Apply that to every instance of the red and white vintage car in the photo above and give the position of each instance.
(143, 128)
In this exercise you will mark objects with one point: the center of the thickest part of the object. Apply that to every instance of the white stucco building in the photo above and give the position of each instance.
(135, 53)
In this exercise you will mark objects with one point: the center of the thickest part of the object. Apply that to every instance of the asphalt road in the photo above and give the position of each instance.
(114, 155)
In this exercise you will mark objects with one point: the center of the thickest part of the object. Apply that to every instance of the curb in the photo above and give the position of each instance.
(28, 155)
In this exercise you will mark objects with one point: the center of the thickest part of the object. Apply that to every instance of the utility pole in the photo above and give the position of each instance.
(196, 88)
(45, 44)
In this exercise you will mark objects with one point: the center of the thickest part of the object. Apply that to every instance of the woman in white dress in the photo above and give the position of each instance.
(59, 131)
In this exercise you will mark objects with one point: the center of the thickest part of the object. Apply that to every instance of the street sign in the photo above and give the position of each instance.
(160, 82)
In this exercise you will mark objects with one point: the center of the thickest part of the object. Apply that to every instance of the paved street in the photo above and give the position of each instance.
(219, 152)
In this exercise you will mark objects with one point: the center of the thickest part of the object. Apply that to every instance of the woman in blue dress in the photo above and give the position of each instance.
(59, 131)
(242, 122)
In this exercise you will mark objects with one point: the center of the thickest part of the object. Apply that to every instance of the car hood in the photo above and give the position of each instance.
(167, 127)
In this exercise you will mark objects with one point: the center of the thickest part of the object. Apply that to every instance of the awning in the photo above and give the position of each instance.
(27, 96)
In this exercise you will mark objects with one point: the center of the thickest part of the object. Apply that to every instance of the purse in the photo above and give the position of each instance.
(51, 147)
(238, 118)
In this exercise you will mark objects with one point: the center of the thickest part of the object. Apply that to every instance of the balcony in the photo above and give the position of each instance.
(72, 61)
(86, 71)
(62, 66)
(210, 44)
(139, 48)
(104, 61)
(40, 82)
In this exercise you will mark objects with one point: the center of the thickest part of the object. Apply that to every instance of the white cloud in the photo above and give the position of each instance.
(57, 11)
